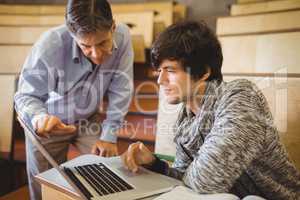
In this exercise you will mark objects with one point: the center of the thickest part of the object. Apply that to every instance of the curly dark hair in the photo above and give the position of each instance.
(88, 16)
(194, 45)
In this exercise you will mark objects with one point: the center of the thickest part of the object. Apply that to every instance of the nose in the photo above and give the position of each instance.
(162, 77)
(96, 52)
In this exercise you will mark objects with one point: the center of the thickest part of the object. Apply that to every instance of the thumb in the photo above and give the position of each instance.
(94, 150)
(143, 148)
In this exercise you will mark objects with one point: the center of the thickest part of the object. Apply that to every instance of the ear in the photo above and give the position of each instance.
(206, 75)
(113, 27)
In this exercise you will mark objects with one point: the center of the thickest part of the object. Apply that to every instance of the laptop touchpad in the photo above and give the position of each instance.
(128, 173)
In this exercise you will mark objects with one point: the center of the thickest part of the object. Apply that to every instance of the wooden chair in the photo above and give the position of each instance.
(250, 1)
(17, 40)
(263, 7)
(32, 9)
(31, 20)
(8, 134)
(21, 35)
(140, 23)
(267, 53)
(163, 12)
(260, 23)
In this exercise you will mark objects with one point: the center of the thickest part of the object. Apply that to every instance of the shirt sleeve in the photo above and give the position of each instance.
(33, 87)
(234, 141)
(119, 93)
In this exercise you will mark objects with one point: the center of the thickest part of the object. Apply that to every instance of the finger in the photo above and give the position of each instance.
(102, 152)
(128, 158)
(65, 128)
(42, 124)
(52, 122)
(131, 157)
(124, 160)
(144, 149)
(95, 150)
(61, 129)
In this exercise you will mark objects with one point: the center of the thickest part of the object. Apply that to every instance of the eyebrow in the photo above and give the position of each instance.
(167, 67)
(95, 44)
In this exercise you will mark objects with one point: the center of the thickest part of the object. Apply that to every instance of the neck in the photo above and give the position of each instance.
(194, 102)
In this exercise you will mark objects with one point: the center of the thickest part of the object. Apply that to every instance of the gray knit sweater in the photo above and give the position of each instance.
(232, 145)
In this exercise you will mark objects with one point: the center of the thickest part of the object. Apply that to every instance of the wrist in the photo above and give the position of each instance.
(36, 118)
(156, 165)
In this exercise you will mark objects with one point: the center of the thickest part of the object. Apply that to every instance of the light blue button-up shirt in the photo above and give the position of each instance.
(57, 79)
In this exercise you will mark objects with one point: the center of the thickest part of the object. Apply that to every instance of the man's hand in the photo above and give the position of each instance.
(105, 149)
(51, 125)
(136, 155)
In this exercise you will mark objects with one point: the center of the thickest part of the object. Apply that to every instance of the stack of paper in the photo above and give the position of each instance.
(184, 193)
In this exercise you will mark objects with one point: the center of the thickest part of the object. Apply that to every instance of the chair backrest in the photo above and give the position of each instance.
(260, 23)
(163, 12)
(166, 118)
(266, 53)
(140, 23)
(8, 86)
(32, 9)
(17, 35)
(31, 20)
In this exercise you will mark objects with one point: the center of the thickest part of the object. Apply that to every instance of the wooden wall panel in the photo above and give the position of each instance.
(251, 1)
(7, 91)
(269, 22)
(267, 53)
(12, 58)
(163, 10)
(262, 7)
(28, 20)
(163, 17)
(142, 24)
(32, 9)
(20, 34)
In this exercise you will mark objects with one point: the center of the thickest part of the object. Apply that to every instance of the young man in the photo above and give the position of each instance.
(225, 137)
(63, 82)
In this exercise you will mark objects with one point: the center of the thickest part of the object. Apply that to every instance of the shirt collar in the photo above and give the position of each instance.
(75, 52)
(115, 46)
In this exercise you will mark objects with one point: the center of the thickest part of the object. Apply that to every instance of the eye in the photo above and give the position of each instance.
(85, 46)
(170, 70)
(104, 44)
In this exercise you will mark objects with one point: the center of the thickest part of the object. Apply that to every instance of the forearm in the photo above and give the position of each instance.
(29, 107)
(109, 130)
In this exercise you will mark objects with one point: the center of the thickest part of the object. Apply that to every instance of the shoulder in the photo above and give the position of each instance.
(241, 92)
(238, 87)
(53, 41)
(122, 34)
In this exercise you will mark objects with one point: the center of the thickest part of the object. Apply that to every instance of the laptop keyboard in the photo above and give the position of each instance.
(100, 178)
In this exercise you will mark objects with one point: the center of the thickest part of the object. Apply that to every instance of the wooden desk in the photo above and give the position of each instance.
(54, 186)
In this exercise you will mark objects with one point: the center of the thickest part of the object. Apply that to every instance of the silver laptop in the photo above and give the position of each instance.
(106, 178)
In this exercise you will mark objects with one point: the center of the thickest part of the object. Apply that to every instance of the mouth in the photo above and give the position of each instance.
(167, 91)
(97, 61)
